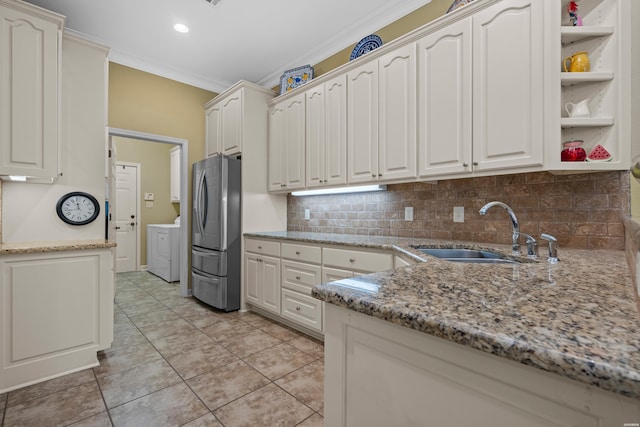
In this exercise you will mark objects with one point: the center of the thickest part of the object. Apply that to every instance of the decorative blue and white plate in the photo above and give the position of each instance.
(295, 77)
(366, 45)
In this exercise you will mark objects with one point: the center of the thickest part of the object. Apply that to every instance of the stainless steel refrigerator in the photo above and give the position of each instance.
(215, 244)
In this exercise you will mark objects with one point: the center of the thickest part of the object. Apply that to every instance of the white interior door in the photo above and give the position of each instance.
(126, 216)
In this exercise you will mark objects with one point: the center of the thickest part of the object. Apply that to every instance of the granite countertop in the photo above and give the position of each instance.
(577, 318)
(55, 246)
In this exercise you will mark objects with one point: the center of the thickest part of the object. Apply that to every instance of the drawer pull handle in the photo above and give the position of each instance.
(352, 260)
(297, 277)
(297, 252)
(298, 308)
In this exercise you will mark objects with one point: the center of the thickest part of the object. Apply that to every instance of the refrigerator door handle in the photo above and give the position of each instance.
(199, 203)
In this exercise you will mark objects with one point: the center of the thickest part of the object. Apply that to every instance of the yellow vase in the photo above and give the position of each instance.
(578, 63)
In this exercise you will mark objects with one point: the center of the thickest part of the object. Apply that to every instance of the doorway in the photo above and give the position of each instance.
(184, 205)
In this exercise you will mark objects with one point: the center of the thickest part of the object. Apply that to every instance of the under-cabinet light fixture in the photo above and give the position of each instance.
(340, 190)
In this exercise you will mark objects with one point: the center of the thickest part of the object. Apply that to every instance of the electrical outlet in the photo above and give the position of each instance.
(307, 214)
(148, 204)
(458, 214)
(408, 213)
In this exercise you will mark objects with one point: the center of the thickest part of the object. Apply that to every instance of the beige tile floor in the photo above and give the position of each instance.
(177, 362)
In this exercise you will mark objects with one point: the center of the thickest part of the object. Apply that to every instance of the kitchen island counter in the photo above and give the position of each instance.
(577, 318)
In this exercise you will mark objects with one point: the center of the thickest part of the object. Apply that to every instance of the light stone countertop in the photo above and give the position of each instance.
(54, 246)
(577, 318)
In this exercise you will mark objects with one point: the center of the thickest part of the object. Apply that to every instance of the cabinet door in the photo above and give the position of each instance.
(294, 142)
(232, 124)
(275, 164)
(213, 124)
(397, 114)
(174, 166)
(251, 278)
(508, 85)
(315, 137)
(271, 284)
(29, 83)
(335, 131)
(444, 101)
(362, 123)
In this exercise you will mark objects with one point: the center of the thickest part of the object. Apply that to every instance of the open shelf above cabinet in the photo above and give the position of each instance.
(570, 35)
(569, 79)
(586, 122)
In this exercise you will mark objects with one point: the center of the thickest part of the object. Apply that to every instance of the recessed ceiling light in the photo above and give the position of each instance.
(181, 28)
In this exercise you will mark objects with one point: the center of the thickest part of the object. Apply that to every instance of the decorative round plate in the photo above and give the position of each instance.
(366, 45)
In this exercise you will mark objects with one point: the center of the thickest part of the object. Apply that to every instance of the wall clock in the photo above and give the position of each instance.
(78, 208)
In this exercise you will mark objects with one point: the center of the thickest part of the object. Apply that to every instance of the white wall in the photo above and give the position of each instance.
(29, 210)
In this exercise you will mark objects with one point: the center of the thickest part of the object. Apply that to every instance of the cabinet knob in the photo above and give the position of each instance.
(465, 164)
(297, 252)
(379, 174)
(475, 163)
(259, 260)
(352, 260)
(132, 224)
(297, 277)
(373, 175)
(298, 308)
(259, 247)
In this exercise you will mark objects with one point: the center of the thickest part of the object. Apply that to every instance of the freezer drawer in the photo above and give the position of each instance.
(215, 291)
(210, 262)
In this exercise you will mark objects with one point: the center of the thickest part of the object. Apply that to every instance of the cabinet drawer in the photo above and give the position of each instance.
(265, 247)
(302, 253)
(300, 277)
(333, 274)
(302, 309)
(357, 260)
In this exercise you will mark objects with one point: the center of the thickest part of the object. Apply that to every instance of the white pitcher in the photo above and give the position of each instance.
(580, 109)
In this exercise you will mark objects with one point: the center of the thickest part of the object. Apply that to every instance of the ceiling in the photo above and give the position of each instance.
(254, 40)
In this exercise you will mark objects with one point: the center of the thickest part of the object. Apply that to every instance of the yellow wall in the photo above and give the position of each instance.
(415, 19)
(145, 102)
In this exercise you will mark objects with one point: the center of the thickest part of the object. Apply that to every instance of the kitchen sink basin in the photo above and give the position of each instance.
(467, 255)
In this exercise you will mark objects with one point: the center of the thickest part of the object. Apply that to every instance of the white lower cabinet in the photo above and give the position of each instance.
(381, 374)
(297, 280)
(262, 274)
(163, 251)
(279, 276)
(56, 314)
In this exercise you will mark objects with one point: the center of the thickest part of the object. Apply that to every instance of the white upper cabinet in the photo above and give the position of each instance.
(444, 100)
(174, 167)
(476, 92)
(232, 123)
(213, 122)
(397, 114)
(231, 116)
(286, 144)
(362, 123)
(224, 124)
(326, 134)
(508, 85)
(381, 118)
(29, 90)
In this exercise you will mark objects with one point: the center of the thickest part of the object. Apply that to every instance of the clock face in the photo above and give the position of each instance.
(78, 208)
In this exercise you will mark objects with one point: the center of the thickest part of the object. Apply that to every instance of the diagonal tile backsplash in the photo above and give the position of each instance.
(582, 210)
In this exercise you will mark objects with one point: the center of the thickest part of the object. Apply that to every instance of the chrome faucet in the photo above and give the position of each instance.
(515, 239)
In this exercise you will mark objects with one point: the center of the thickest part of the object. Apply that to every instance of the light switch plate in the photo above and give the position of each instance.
(307, 214)
(148, 196)
(408, 213)
(458, 214)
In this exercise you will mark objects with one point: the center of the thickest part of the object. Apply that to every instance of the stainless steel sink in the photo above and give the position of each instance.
(467, 255)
